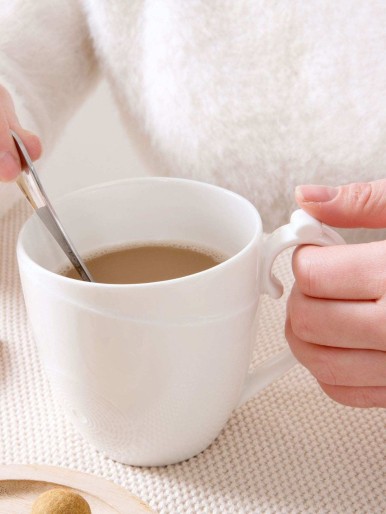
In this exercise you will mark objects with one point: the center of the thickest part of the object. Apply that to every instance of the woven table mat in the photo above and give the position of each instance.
(290, 450)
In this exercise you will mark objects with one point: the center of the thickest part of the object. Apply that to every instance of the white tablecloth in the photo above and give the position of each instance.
(291, 450)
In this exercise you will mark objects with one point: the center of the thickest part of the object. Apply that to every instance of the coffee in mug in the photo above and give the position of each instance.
(151, 262)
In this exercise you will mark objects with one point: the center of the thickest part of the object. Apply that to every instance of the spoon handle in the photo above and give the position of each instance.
(33, 190)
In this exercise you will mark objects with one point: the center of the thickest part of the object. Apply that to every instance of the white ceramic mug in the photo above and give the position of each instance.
(150, 373)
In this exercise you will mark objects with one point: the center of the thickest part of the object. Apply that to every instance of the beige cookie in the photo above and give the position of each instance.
(60, 501)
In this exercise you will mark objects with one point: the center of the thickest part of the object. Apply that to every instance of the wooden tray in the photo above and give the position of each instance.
(21, 485)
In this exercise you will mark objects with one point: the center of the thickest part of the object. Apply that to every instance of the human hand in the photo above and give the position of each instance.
(336, 313)
(9, 159)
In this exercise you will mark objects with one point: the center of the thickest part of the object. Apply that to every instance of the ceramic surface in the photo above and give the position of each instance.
(150, 373)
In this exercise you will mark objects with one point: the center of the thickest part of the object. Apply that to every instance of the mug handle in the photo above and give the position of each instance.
(302, 229)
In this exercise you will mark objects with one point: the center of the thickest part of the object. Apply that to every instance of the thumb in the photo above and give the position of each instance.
(353, 205)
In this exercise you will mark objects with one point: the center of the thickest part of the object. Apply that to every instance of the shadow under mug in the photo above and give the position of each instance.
(150, 373)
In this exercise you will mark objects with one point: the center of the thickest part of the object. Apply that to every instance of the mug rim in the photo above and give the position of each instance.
(23, 255)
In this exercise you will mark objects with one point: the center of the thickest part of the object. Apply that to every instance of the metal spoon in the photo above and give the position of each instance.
(30, 184)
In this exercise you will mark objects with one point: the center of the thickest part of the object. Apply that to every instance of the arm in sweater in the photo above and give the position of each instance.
(47, 65)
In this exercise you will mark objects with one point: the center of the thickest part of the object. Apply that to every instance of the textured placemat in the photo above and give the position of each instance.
(291, 450)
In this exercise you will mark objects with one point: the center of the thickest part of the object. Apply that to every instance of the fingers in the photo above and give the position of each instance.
(336, 313)
(364, 397)
(339, 366)
(352, 205)
(9, 158)
(338, 323)
(345, 272)
(343, 344)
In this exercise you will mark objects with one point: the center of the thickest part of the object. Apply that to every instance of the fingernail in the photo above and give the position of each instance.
(313, 193)
(9, 167)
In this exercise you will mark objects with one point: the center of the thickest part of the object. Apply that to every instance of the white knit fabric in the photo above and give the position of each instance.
(291, 450)
(254, 95)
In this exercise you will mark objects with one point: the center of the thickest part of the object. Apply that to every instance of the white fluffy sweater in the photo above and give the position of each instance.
(253, 95)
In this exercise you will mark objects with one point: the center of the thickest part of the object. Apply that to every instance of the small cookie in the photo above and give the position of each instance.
(60, 501)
